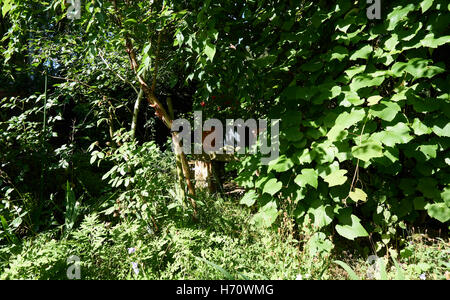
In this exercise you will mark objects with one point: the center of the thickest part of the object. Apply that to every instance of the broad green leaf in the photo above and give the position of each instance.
(440, 130)
(324, 152)
(210, 50)
(398, 134)
(391, 43)
(281, 164)
(249, 198)
(6, 6)
(308, 176)
(347, 120)
(266, 216)
(367, 150)
(428, 150)
(323, 215)
(420, 128)
(304, 157)
(439, 211)
(373, 100)
(428, 187)
(353, 230)
(358, 195)
(431, 42)
(336, 178)
(417, 67)
(293, 134)
(351, 72)
(420, 68)
(385, 110)
(365, 80)
(426, 4)
(272, 186)
(343, 121)
(398, 14)
(363, 53)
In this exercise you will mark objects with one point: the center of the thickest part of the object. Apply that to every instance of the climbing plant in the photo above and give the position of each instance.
(364, 108)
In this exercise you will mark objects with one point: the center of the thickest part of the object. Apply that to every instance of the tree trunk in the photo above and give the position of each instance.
(136, 113)
(160, 111)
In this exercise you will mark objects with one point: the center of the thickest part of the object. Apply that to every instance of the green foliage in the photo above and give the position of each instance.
(179, 251)
(143, 177)
(364, 135)
(362, 105)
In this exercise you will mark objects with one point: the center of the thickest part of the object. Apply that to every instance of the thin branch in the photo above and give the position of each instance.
(155, 74)
(117, 74)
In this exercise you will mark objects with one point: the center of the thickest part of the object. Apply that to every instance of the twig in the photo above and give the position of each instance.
(117, 74)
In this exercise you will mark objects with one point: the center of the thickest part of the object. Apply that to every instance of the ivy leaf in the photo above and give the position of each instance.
(272, 186)
(367, 150)
(249, 198)
(353, 230)
(308, 176)
(336, 178)
(358, 195)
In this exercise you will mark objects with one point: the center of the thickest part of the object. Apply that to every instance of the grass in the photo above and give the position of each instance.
(222, 245)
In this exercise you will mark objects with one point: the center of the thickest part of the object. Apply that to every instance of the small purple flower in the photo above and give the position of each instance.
(134, 265)
(131, 250)
(423, 276)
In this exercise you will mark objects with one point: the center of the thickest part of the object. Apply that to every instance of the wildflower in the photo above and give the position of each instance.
(299, 277)
(422, 276)
(131, 250)
(134, 265)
